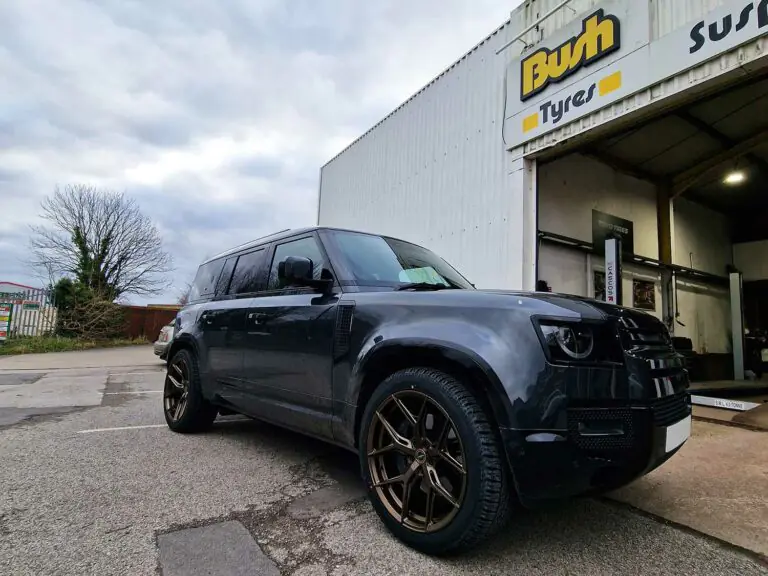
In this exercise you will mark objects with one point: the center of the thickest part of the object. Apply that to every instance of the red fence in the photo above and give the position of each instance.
(146, 321)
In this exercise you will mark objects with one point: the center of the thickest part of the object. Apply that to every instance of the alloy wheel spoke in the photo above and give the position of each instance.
(422, 418)
(430, 512)
(175, 382)
(443, 434)
(402, 444)
(408, 477)
(178, 369)
(458, 466)
(403, 478)
(437, 486)
(404, 409)
(180, 406)
(383, 450)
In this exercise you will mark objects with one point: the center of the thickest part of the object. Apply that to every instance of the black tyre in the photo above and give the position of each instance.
(184, 407)
(432, 462)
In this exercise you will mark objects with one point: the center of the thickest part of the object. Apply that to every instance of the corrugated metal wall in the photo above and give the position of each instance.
(667, 15)
(435, 171)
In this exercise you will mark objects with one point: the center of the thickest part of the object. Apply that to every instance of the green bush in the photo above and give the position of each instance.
(85, 314)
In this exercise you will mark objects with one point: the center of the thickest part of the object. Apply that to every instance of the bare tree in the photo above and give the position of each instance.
(184, 294)
(101, 239)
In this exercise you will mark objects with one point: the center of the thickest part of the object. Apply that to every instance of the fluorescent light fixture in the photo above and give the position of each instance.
(735, 177)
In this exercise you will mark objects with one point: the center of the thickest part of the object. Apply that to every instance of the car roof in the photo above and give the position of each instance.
(282, 235)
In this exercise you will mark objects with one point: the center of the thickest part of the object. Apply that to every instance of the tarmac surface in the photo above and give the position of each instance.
(93, 482)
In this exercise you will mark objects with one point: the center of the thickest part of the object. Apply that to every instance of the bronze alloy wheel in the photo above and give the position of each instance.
(416, 461)
(176, 391)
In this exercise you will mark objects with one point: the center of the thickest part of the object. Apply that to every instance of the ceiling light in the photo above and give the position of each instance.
(735, 177)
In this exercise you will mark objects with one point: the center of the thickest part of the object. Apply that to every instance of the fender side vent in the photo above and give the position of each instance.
(344, 314)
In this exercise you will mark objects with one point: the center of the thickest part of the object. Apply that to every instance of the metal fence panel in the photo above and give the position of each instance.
(33, 313)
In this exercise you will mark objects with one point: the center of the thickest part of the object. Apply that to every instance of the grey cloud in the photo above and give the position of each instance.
(95, 88)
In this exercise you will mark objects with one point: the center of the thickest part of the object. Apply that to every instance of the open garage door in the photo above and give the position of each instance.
(687, 192)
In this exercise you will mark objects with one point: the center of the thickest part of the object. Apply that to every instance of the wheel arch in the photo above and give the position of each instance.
(459, 362)
(181, 342)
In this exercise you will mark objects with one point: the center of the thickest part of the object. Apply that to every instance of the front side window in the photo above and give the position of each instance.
(378, 261)
(245, 280)
(305, 247)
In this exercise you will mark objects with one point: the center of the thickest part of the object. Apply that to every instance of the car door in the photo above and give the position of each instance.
(289, 344)
(215, 322)
(245, 278)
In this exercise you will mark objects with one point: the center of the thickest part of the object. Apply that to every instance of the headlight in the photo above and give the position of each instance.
(580, 342)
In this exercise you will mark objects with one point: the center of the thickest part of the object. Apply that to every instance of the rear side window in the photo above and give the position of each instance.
(247, 272)
(223, 284)
(204, 285)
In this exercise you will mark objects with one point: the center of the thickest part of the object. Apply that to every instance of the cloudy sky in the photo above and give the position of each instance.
(215, 116)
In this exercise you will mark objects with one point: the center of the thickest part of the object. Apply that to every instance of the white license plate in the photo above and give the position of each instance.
(678, 433)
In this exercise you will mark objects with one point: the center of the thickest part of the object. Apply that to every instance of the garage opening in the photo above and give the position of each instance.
(686, 192)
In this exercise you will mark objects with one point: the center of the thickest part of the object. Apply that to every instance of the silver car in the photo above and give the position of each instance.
(164, 340)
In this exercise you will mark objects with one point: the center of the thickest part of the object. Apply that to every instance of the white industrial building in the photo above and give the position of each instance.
(648, 117)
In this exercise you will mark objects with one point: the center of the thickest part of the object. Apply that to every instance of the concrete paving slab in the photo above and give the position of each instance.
(52, 391)
(225, 549)
(128, 356)
(317, 503)
(717, 484)
(18, 378)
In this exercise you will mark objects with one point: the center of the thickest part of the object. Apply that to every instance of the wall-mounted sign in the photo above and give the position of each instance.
(600, 35)
(6, 310)
(606, 226)
(613, 271)
(644, 295)
(542, 97)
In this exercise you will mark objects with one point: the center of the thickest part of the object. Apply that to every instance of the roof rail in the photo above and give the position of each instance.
(255, 240)
(243, 245)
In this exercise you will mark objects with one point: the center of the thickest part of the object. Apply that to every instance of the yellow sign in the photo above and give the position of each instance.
(552, 112)
(600, 35)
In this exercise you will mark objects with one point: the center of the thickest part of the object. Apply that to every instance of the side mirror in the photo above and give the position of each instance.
(295, 270)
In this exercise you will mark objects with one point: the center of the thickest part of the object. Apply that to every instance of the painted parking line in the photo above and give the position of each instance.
(160, 372)
(119, 428)
(133, 392)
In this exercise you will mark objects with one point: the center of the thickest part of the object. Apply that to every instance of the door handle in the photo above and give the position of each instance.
(257, 317)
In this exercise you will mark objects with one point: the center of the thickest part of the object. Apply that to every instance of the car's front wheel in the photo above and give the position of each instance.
(185, 408)
(432, 462)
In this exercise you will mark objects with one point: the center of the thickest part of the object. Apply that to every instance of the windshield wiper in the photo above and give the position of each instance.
(423, 286)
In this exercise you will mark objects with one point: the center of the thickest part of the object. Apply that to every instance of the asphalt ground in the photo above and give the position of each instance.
(96, 484)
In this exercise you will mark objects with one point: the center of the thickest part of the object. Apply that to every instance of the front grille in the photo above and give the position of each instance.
(645, 339)
(595, 416)
(671, 409)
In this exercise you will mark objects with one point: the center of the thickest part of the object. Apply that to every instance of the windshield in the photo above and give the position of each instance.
(378, 261)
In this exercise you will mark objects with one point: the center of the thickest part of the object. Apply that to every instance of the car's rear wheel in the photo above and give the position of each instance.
(432, 462)
(184, 407)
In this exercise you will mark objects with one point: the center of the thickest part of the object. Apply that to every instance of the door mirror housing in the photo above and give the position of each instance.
(297, 270)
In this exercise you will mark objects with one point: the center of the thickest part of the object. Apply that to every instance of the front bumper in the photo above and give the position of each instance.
(591, 456)
(161, 348)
